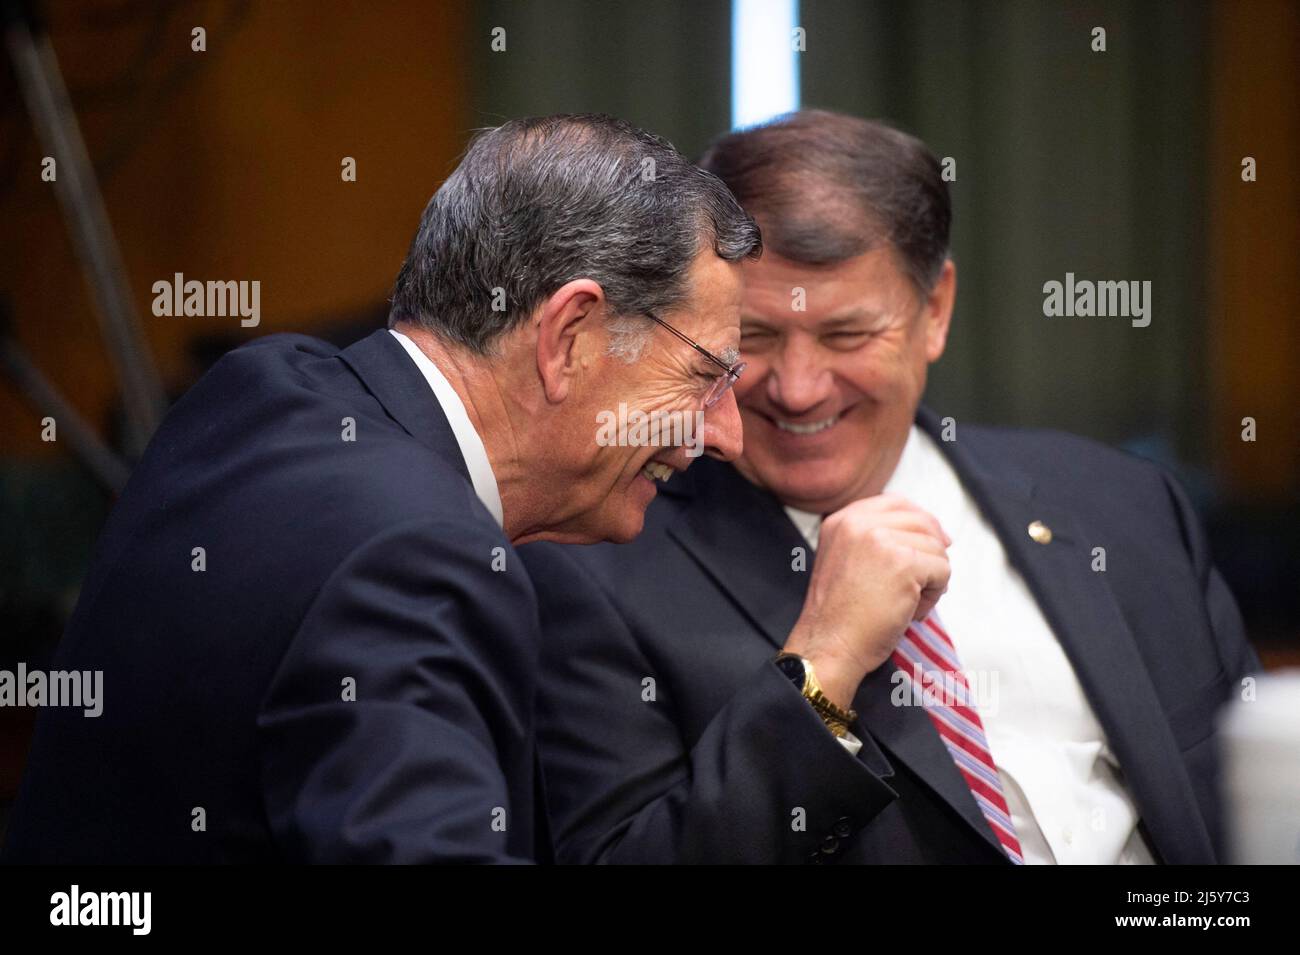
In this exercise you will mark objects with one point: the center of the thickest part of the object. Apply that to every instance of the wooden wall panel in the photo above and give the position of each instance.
(231, 169)
(1255, 246)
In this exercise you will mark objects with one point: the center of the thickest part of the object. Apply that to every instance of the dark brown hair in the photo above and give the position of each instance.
(826, 187)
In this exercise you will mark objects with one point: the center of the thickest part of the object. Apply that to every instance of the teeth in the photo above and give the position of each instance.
(812, 428)
(657, 472)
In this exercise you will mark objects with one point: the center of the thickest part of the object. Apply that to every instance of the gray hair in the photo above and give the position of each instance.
(537, 203)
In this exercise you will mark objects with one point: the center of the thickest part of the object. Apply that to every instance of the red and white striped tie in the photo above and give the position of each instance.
(950, 705)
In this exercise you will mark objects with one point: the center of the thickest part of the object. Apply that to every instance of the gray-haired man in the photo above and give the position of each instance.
(316, 639)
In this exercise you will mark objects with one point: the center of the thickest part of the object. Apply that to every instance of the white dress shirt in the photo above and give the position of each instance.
(471, 445)
(1060, 778)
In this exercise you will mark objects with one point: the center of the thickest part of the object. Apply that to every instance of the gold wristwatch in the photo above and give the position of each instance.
(800, 673)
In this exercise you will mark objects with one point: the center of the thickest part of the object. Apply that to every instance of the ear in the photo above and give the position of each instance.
(566, 323)
(938, 311)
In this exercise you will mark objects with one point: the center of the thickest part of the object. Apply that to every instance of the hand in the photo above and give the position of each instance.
(882, 562)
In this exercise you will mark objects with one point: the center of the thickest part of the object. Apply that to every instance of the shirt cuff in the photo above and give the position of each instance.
(851, 743)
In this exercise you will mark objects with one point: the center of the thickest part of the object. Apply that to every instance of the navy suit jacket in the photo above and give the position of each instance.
(349, 678)
(668, 735)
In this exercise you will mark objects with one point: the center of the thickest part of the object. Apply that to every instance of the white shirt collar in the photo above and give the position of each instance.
(471, 444)
(808, 524)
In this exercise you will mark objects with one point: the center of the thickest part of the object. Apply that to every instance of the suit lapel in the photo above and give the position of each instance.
(742, 538)
(909, 736)
(1087, 621)
(387, 371)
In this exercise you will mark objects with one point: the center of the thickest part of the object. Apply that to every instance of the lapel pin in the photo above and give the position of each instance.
(1040, 532)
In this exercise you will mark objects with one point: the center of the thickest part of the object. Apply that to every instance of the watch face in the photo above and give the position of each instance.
(792, 667)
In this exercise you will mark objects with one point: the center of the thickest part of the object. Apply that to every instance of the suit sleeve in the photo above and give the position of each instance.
(1235, 652)
(766, 782)
(382, 731)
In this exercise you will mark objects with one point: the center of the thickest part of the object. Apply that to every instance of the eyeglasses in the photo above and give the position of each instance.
(730, 373)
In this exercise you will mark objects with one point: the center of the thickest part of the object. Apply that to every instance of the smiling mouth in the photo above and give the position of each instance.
(807, 427)
(654, 471)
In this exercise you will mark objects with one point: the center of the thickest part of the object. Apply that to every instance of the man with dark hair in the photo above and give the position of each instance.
(951, 679)
(316, 641)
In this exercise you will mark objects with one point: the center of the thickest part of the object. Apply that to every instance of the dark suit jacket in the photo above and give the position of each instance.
(327, 561)
(727, 758)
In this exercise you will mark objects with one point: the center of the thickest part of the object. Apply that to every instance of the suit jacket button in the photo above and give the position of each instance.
(830, 845)
(843, 828)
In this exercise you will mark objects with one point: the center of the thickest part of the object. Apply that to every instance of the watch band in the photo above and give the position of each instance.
(836, 718)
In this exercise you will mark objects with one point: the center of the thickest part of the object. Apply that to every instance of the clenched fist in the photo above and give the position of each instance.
(882, 562)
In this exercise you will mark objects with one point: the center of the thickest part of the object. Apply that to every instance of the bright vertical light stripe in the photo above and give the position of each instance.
(764, 64)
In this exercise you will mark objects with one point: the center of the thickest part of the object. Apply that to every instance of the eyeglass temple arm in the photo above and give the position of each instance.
(713, 358)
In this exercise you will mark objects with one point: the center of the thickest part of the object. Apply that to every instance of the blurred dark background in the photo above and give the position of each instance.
(1123, 164)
